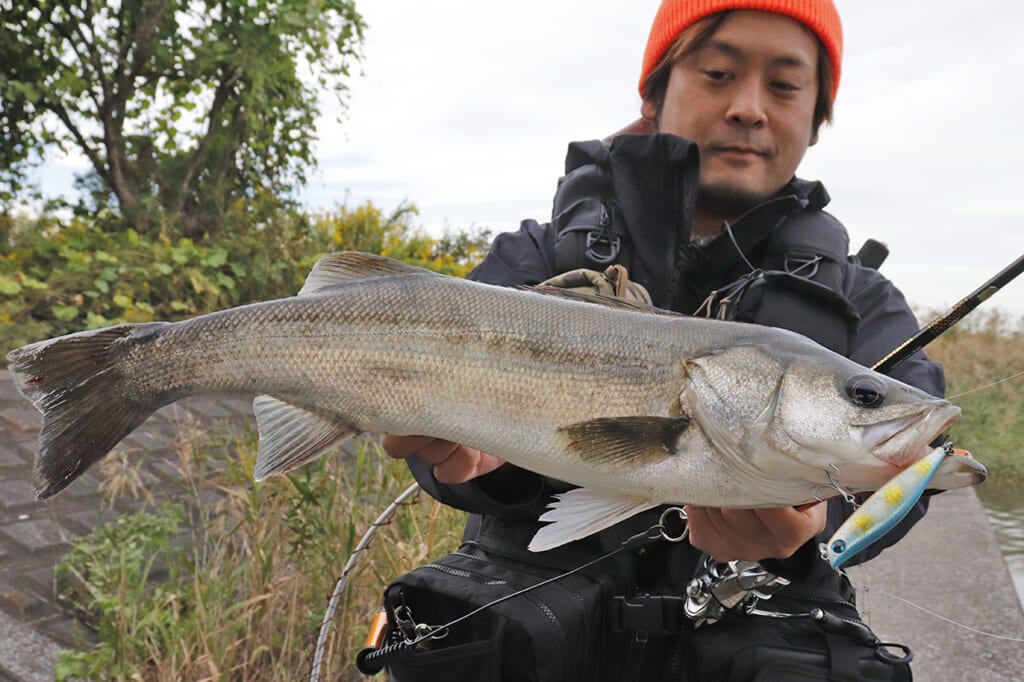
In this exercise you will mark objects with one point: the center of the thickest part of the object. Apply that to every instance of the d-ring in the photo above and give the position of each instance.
(680, 514)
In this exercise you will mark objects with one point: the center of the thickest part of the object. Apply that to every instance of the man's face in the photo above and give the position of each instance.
(746, 97)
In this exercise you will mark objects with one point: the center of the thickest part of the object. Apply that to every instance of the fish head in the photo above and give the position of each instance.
(790, 410)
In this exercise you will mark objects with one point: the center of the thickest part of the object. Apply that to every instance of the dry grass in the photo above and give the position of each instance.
(980, 351)
(238, 593)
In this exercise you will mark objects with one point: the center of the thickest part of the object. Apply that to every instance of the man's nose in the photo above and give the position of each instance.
(747, 105)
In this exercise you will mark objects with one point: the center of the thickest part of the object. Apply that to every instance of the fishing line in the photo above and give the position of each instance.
(867, 588)
(727, 228)
(982, 388)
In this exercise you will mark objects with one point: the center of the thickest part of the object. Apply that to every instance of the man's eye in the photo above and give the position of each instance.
(785, 87)
(717, 75)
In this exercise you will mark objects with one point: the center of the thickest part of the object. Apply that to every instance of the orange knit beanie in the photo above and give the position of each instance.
(676, 15)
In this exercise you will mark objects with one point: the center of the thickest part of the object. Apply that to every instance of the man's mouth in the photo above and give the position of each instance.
(739, 152)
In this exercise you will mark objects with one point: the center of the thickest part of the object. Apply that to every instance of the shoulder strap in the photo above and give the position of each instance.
(800, 283)
(812, 245)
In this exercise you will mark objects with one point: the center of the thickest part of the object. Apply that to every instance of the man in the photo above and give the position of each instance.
(747, 84)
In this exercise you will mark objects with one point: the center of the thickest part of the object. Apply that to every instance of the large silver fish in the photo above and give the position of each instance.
(636, 407)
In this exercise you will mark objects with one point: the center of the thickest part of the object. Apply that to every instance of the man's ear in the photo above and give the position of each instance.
(814, 138)
(649, 112)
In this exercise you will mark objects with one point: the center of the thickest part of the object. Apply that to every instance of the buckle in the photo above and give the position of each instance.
(612, 243)
(652, 614)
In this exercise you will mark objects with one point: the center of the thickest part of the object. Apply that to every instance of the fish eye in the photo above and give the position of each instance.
(866, 391)
(839, 546)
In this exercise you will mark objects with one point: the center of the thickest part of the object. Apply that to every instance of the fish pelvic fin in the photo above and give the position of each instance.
(631, 441)
(581, 512)
(346, 266)
(290, 435)
(75, 381)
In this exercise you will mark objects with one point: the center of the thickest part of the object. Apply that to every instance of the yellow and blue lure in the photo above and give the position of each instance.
(883, 509)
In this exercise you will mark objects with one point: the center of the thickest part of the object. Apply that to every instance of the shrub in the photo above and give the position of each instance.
(60, 277)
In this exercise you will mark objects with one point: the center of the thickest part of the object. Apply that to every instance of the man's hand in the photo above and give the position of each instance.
(453, 463)
(754, 534)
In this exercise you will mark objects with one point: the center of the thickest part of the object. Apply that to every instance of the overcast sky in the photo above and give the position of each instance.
(465, 108)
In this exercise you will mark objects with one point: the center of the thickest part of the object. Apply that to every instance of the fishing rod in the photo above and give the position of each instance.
(943, 322)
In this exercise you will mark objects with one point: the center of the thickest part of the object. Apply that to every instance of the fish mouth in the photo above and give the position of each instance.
(903, 440)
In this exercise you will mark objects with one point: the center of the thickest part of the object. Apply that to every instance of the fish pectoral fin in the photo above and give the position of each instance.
(290, 436)
(626, 440)
(337, 268)
(582, 511)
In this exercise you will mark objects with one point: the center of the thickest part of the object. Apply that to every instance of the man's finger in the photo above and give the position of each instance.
(400, 447)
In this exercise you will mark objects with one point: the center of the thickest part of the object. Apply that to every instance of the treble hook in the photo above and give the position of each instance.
(832, 485)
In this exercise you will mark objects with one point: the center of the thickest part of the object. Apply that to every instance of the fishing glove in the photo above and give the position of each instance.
(612, 282)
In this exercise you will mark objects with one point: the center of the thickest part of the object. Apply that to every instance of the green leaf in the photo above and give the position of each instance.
(64, 313)
(33, 283)
(9, 286)
(216, 258)
(224, 281)
(123, 301)
(101, 285)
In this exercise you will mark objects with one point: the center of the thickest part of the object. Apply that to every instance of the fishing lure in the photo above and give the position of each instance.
(884, 508)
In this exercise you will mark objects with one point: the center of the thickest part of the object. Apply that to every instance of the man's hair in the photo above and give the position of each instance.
(694, 37)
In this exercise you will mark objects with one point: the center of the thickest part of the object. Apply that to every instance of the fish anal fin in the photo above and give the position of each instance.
(291, 435)
(626, 440)
(581, 512)
(346, 266)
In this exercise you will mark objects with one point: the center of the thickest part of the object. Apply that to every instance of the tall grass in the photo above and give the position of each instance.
(229, 580)
(984, 349)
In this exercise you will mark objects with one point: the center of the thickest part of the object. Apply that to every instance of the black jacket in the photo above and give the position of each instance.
(648, 185)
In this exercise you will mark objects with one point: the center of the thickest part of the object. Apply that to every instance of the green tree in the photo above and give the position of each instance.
(184, 108)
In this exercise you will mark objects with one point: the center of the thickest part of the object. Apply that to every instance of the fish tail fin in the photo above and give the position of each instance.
(75, 382)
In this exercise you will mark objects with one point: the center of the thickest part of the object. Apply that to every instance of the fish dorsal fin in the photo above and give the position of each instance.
(337, 268)
(290, 436)
(600, 299)
(625, 440)
(581, 512)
